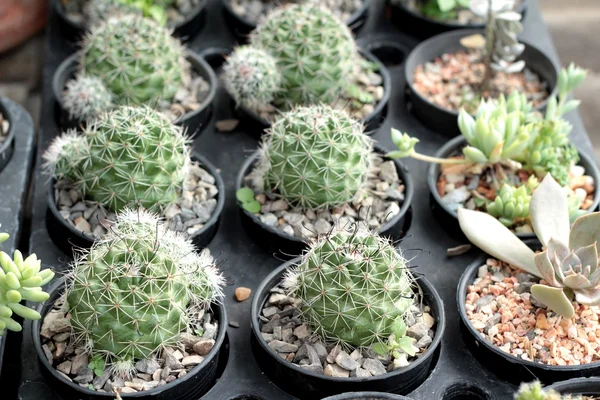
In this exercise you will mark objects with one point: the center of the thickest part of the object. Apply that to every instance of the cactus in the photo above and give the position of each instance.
(86, 97)
(534, 391)
(314, 50)
(136, 59)
(355, 288)
(511, 205)
(251, 76)
(315, 157)
(138, 288)
(20, 279)
(98, 11)
(130, 156)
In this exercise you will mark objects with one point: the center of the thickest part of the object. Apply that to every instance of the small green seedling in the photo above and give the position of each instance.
(245, 196)
(394, 344)
(97, 366)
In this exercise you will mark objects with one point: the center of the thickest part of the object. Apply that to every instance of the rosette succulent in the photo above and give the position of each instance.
(510, 205)
(355, 288)
(568, 264)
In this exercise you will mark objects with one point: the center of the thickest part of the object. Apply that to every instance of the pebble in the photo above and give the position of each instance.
(375, 367)
(242, 293)
(204, 346)
(336, 371)
(147, 366)
(192, 360)
(344, 360)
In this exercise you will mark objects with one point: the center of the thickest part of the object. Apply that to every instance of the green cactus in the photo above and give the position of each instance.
(20, 279)
(251, 76)
(131, 156)
(86, 97)
(511, 205)
(137, 289)
(355, 288)
(314, 51)
(137, 59)
(534, 391)
(315, 157)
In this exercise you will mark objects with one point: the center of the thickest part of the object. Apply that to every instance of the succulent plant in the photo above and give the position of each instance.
(444, 9)
(20, 279)
(314, 157)
(131, 156)
(136, 59)
(251, 76)
(534, 391)
(136, 290)
(569, 262)
(355, 288)
(98, 11)
(315, 61)
(510, 205)
(86, 97)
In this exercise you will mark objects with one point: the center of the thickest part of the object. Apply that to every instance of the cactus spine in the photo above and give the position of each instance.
(86, 97)
(132, 156)
(315, 157)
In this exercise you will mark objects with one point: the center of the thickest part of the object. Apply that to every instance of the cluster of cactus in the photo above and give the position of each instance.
(251, 76)
(130, 156)
(355, 288)
(534, 391)
(138, 61)
(569, 262)
(138, 288)
(314, 52)
(86, 97)
(314, 157)
(20, 279)
(98, 11)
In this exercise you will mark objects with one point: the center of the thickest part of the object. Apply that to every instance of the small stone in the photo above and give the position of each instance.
(333, 354)
(418, 330)
(242, 293)
(279, 205)
(84, 375)
(165, 373)
(80, 361)
(277, 333)
(388, 172)
(170, 378)
(400, 362)
(344, 360)
(392, 210)
(270, 311)
(60, 349)
(321, 351)
(424, 342)
(192, 360)
(147, 366)
(156, 376)
(61, 337)
(428, 320)
(318, 368)
(204, 210)
(82, 225)
(48, 353)
(100, 381)
(375, 367)
(336, 371)
(226, 125)
(269, 219)
(188, 340)
(283, 347)
(302, 331)
(360, 373)
(127, 389)
(210, 330)
(482, 271)
(204, 346)
(288, 230)
(65, 367)
(234, 324)
(171, 362)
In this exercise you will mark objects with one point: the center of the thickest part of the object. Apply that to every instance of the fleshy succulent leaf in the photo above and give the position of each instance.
(549, 211)
(546, 268)
(554, 298)
(585, 231)
(590, 297)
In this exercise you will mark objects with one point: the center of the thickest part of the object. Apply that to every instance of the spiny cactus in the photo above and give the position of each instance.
(20, 279)
(129, 156)
(534, 391)
(86, 97)
(355, 288)
(315, 157)
(138, 60)
(314, 51)
(138, 288)
(510, 205)
(98, 11)
(251, 76)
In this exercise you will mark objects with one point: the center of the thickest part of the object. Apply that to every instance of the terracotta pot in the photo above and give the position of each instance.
(19, 20)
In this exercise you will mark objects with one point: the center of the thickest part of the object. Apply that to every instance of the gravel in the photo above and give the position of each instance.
(157, 370)
(309, 351)
(194, 208)
(374, 209)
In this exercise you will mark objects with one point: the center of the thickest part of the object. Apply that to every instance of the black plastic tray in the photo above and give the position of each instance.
(457, 375)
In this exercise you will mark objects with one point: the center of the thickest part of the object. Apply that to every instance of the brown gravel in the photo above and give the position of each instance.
(452, 81)
(500, 306)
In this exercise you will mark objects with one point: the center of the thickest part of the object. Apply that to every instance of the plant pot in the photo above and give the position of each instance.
(67, 238)
(191, 387)
(256, 125)
(309, 385)
(443, 120)
(241, 27)
(578, 386)
(184, 30)
(504, 365)
(448, 218)
(275, 241)
(7, 147)
(366, 396)
(422, 27)
(194, 121)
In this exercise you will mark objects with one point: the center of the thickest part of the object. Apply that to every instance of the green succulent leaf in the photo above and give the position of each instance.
(251, 206)
(244, 194)
(380, 348)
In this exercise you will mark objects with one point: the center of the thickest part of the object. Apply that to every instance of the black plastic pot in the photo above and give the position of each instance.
(194, 121)
(241, 27)
(367, 396)
(309, 385)
(276, 241)
(504, 365)
(448, 218)
(418, 25)
(578, 386)
(256, 125)
(446, 121)
(67, 238)
(7, 147)
(184, 30)
(191, 387)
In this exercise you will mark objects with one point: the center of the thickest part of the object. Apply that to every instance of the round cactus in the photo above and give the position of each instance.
(137, 59)
(137, 289)
(314, 50)
(315, 157)
(355, 288)
(86, 97)
(251, 76)
(98, 11)
(131, 156)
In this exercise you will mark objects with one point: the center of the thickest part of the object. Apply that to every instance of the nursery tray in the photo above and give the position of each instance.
(457, 375)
